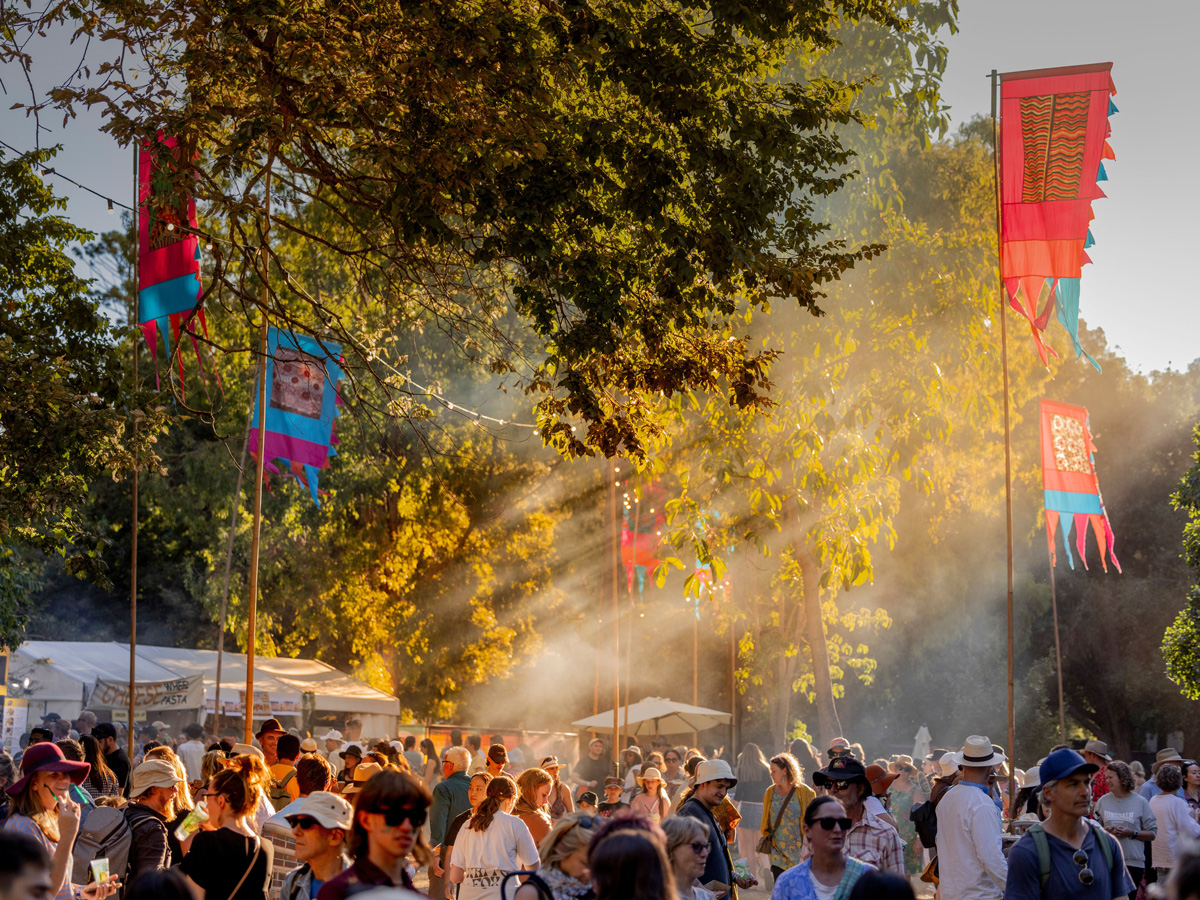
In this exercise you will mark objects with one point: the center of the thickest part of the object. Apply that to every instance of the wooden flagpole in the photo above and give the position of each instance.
(1062, 710)
(233, 517)
(614, 545)
(258, 463)
(133, 536)
(1008, 518)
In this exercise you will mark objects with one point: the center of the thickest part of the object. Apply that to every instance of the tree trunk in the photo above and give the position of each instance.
(828, 726)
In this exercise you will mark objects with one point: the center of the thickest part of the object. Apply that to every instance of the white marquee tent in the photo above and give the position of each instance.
(62, 675)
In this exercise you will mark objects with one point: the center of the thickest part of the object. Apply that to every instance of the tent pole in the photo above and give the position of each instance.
(133, 534)
(696, 666)
(258, 463)
(1008, 516)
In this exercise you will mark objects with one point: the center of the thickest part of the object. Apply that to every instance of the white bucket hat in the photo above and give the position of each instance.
(949, 764)
(978, 752)
(1033, 777)
(712, 770)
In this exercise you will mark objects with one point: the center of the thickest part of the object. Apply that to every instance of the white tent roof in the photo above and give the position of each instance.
(283, 677)
(67, 670)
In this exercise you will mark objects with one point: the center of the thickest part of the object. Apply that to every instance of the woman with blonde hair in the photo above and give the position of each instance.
(783, 813)
(561, 802)
(652, 802)
(564, 872)
(534, 786)
(43, 809)
(494, 843)
(687, 850)
(231, 862)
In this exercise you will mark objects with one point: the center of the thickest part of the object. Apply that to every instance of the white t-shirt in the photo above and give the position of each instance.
(191, 754)
(823, 891)
(486, 856)
(874, 805)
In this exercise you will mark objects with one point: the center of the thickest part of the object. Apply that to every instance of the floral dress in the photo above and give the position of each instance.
(788, 843)
(902, 802)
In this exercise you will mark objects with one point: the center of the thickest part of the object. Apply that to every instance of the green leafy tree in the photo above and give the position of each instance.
(1181, 643)
(65, 407)
(616, 179)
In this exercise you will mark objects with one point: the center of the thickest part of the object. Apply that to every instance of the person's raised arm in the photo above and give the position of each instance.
(68, 828)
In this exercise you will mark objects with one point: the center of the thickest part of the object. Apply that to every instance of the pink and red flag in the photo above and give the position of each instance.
(1072, 490)
(1053, 142)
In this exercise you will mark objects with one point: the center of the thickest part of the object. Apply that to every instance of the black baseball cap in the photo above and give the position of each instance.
(105, 730)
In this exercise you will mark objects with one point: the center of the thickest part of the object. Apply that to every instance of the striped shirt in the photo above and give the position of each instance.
(26, 825)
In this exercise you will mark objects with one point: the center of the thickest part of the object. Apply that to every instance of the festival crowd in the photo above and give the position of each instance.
(336, 815)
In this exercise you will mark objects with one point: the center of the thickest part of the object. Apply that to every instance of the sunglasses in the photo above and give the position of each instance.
(700, 847)
(1085, 874)
(396, 815)
(827, 822)
(304, 822)
(672, 759)
(838, 785)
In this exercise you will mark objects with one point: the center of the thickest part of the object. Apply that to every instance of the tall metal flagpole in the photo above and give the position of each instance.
(252, 624)
(133, 535)
(1008, 519)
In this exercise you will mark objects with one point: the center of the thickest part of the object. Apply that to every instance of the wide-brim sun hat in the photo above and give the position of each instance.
(650, 774)
(362, 774)
(47, 757)
(1032, 778)
(978, 752)
(1099, 748)
(880, 779)
(948, 763)
(841, 768)
(1164, 756)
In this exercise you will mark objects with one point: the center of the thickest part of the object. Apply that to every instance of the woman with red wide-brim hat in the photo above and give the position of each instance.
(42, 809)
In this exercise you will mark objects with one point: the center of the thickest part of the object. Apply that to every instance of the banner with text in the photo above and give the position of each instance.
(180, 693)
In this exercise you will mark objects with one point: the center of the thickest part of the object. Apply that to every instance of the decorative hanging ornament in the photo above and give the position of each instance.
(1053, 139)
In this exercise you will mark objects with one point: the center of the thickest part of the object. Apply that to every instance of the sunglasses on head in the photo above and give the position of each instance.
(827, 822)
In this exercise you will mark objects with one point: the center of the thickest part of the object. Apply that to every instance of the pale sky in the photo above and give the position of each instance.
(1137, 290)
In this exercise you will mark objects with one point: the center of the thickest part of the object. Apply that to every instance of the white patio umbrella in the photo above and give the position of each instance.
(656, 715)
(921, 748)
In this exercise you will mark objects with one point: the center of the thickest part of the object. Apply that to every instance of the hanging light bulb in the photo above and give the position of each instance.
(170, 226)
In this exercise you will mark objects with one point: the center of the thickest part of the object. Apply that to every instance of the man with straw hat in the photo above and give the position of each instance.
(971, 864)
(1168, 756)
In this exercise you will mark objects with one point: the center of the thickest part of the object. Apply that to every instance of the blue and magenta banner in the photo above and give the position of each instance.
(302, 402)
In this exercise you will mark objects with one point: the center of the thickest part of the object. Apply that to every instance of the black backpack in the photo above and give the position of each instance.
(924, 817)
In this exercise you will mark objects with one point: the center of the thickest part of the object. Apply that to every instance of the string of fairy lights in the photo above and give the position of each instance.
(468, 412)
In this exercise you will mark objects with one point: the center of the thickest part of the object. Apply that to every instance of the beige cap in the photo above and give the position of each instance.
(308, 745)
(330, 810)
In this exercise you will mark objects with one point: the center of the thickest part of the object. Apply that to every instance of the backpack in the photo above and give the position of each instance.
(278, 793)
(1043, 850)
(924, 817)
(104, 833)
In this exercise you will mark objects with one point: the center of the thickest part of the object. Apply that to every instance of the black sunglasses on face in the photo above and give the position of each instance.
(827, 822)
(304, 822)
(394, 816)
